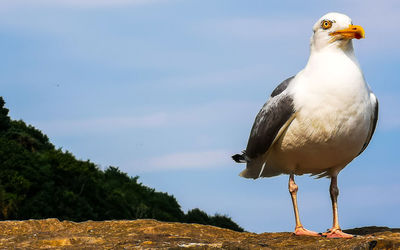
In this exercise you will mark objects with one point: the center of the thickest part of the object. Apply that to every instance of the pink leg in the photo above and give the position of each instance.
(299, 230)
(335, 231)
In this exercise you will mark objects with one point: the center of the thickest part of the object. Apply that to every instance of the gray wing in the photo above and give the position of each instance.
(374, 120)
(271, 118)
(281, 87)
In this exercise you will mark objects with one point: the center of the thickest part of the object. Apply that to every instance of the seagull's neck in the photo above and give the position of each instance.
(331, 68)
(332, 55)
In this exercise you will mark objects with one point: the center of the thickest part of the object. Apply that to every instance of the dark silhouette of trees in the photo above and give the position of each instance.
(4, 119)
(198, 216)
(39, 181)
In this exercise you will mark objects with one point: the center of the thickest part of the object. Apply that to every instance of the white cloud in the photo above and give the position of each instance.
(97, 125)
(375, 18)
(243, 75)
(258, 28)
(188, 160)
(78, 3)
(210, 114)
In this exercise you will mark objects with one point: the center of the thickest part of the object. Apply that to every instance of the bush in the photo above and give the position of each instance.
(39, 181)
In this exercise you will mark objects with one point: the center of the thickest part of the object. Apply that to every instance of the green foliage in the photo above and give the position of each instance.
(225, 222)
(198, 216)
(39, 181)
(4, 119)
(27, 136)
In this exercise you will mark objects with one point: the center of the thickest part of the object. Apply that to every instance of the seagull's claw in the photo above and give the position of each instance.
(301, 231)
(337, 233)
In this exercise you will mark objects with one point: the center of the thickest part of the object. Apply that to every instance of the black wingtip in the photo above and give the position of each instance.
(239, 158)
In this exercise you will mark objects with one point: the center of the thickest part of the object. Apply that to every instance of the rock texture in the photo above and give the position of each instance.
(51, 233)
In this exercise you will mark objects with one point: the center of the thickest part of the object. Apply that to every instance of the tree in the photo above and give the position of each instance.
(225, 222)
(39, 181)
(4, 119)
(197, 216)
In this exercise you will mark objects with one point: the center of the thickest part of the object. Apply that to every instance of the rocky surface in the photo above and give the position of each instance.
(51, 233)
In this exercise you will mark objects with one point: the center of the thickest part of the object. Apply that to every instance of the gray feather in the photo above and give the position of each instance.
(281, 87)
(273, 115)
(374, 120)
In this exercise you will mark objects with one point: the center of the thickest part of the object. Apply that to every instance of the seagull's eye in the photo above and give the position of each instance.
(326, 24)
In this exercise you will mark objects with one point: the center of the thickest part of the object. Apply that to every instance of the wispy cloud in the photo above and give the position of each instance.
(244, 75)
(295, 27)
(257, 28)
(187, 160)
(102, 124)
(209, 114)
(79, 3)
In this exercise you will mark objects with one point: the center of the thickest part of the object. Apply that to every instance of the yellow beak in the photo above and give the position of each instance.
(353, 31)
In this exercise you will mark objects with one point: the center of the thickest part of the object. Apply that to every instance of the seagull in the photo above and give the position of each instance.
(317, 121)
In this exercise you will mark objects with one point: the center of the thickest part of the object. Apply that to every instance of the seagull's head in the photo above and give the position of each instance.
(335, 30)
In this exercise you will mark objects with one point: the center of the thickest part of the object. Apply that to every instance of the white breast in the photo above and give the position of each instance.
(332, 120)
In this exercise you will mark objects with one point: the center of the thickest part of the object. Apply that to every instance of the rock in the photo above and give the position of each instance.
(51, 233)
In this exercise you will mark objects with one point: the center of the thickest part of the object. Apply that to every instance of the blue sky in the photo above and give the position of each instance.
(168, 90)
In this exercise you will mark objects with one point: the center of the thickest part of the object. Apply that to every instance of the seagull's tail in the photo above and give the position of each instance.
(241, 158)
